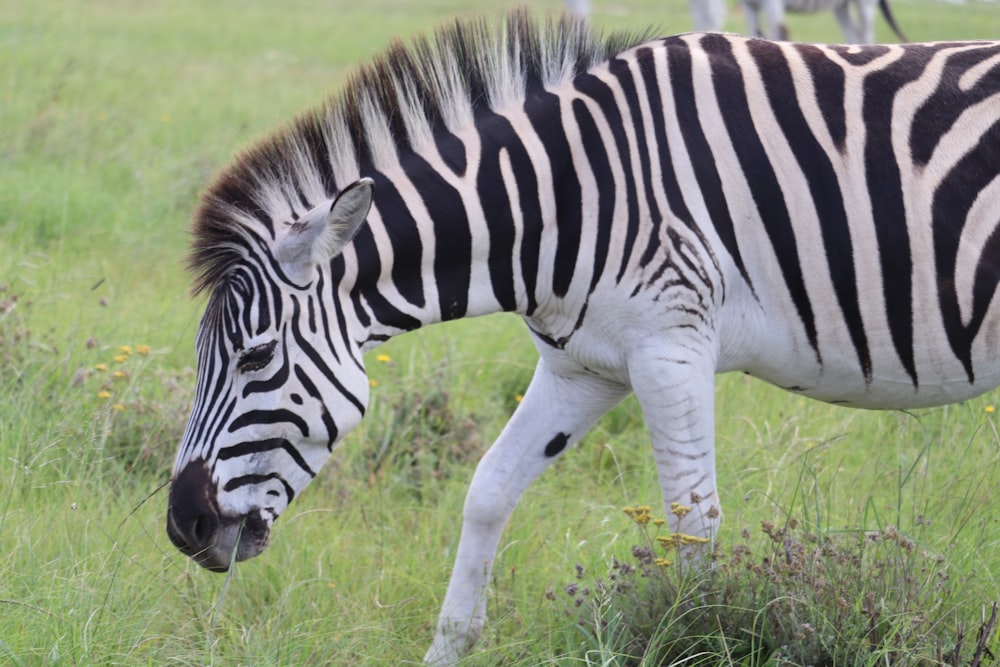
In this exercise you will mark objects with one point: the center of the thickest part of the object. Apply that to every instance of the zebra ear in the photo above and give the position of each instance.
(324, 231)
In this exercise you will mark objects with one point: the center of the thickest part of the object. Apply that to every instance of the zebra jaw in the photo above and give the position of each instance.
(199, 530)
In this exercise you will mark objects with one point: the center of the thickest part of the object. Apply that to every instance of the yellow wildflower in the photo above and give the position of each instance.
(119, 375)
(118, 407)
(679, 510)
(641, 514)
(125, 349)
(663, 562)
(121, 357)
(373, 383)
(104, 394)
(990, 408)
(384, 358)
(518, 397)
(659, 522)
(676, 540)
(142, 349)
(101, 367)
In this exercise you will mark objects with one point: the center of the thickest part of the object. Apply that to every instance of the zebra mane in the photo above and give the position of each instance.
(398, 102)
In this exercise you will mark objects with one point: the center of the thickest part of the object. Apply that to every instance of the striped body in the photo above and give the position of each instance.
(866, 210)
(820, 217)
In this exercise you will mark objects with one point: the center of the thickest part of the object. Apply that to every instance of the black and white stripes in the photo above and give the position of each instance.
(657, 210)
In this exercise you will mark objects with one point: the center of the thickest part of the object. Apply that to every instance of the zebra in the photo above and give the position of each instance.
(861, 31)
(579, 8)
(708, 15)
(656, 210)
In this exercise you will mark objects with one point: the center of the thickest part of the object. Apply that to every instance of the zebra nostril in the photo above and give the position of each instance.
(193, 516)
(191, 534)
(203, 531)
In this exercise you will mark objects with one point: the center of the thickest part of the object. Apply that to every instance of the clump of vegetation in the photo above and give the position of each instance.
(415, 434)
(143, 430)
(784, 596)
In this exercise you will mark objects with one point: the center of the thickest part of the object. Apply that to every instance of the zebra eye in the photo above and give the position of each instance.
(256, 358)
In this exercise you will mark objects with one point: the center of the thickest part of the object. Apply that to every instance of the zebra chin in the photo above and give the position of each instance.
(199, 530)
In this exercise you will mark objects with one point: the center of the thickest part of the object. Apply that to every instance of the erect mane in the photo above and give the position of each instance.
(397, 102)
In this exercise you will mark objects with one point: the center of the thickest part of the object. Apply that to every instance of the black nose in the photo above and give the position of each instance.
(193, 514)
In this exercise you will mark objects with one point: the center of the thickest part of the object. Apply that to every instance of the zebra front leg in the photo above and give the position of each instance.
(675, 387)
(555, 412)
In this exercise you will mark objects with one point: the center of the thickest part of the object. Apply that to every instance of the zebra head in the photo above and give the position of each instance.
(280, 381)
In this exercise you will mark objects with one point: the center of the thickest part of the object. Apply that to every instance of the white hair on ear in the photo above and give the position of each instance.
(323, 231)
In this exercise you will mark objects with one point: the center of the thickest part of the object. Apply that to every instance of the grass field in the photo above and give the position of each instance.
(113, 114)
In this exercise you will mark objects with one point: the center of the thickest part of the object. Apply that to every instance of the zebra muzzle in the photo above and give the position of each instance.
(198, 529)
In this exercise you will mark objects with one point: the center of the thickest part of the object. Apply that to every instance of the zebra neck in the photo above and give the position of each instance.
(444, 243)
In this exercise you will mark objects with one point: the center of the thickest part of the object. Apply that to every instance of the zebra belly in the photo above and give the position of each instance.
(850, 389)
(836, 377)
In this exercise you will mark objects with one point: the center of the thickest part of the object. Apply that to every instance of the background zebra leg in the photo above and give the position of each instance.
(676, 392)
(751, 13)
(774, 19)
(865, 27)
(853, 33)
(708, 15)
(555, 412)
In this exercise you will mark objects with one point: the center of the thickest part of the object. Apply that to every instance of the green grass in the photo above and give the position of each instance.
(112, 115)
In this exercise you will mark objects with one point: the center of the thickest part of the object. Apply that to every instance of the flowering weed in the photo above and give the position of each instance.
(783, 596)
